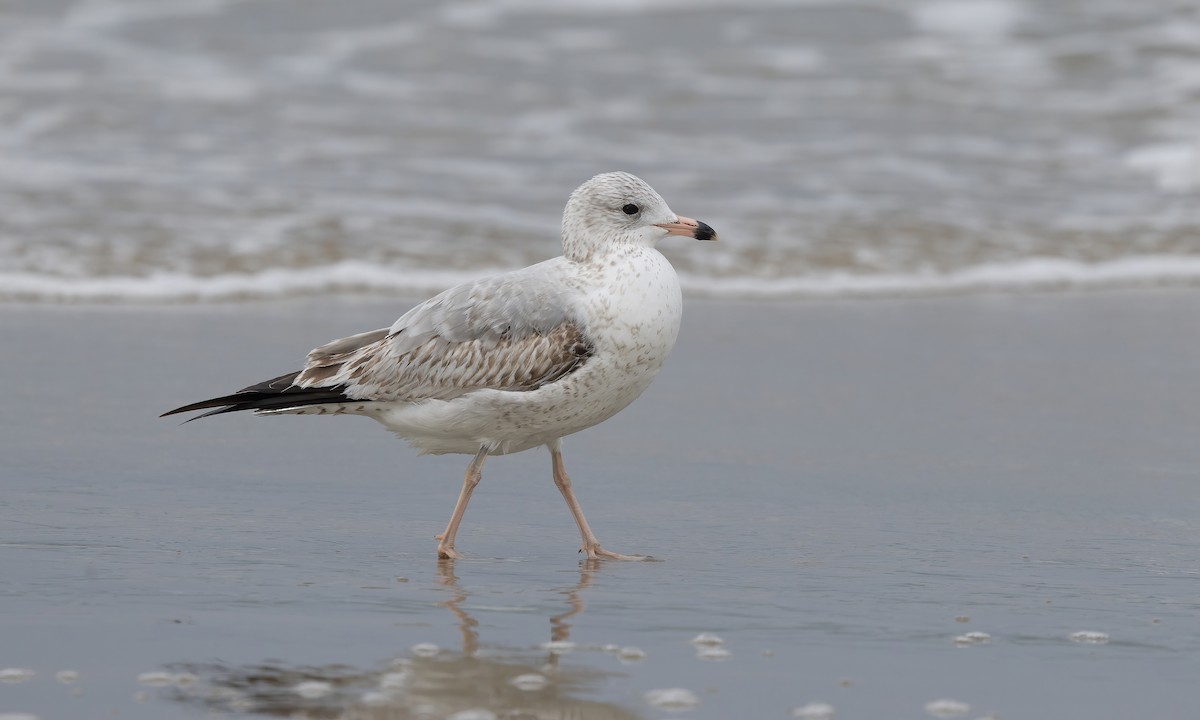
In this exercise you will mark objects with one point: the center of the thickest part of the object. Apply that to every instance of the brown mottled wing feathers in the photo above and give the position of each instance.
(512, 332)
(438, 369)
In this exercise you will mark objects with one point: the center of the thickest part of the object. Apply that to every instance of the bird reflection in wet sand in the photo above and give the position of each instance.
(560, 629)
(428, 686)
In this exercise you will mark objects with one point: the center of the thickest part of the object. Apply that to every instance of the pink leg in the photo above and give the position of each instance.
(591, 545)
(470, 480)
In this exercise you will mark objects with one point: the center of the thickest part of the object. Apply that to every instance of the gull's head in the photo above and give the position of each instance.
(620, 209)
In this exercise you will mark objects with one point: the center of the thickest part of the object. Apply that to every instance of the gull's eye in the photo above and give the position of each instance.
(631, 209)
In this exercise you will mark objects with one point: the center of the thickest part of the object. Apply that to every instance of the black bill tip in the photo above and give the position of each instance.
(704, 231)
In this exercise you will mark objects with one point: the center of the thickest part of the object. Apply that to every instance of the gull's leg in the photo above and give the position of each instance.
(470, 480)
(591, 545)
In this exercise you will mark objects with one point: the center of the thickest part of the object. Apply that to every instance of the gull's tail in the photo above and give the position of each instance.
(274, 394)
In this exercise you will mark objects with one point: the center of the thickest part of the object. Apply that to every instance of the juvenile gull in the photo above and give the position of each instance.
(514, 361)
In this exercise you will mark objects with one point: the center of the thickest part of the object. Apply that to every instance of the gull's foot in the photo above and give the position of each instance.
(445, 552)
(596, 552)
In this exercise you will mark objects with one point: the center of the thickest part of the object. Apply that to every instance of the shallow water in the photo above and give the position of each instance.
(837, 502)
(184, 149)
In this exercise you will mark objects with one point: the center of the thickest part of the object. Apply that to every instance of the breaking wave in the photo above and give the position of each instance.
(361, 277)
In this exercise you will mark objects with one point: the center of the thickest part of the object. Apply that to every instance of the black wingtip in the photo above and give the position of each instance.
(204, 404)
(275, 394)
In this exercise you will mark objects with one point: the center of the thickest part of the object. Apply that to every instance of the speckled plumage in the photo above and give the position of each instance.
(518, 360)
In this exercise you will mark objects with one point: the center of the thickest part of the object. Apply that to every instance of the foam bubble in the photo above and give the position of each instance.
(1089, 637)
(813, 711)
(707, 639)
(972, 638)
(425, 650)
(529, 682)
(946, 708)
(630, 654)
(155, 677)
(672, 699)
(158, 678)
(66, 676)
(16, 675)
(715, 654)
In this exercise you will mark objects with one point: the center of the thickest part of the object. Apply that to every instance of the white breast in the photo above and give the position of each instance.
(635, 311)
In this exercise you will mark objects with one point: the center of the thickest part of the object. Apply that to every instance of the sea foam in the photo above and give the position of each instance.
(360, 277)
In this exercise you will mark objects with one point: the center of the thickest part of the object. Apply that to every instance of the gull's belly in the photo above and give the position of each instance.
(511, 421)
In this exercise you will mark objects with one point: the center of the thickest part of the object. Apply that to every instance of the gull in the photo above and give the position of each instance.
(514, 361)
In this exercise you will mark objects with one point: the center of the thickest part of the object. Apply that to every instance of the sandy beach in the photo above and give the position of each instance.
(836, 489)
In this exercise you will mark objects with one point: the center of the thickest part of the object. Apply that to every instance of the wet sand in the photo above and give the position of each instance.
(836, 489)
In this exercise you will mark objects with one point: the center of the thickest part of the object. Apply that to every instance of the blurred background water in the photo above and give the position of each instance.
(183, 149)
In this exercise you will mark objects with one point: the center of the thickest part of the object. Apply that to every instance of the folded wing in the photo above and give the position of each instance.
(514, 332)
